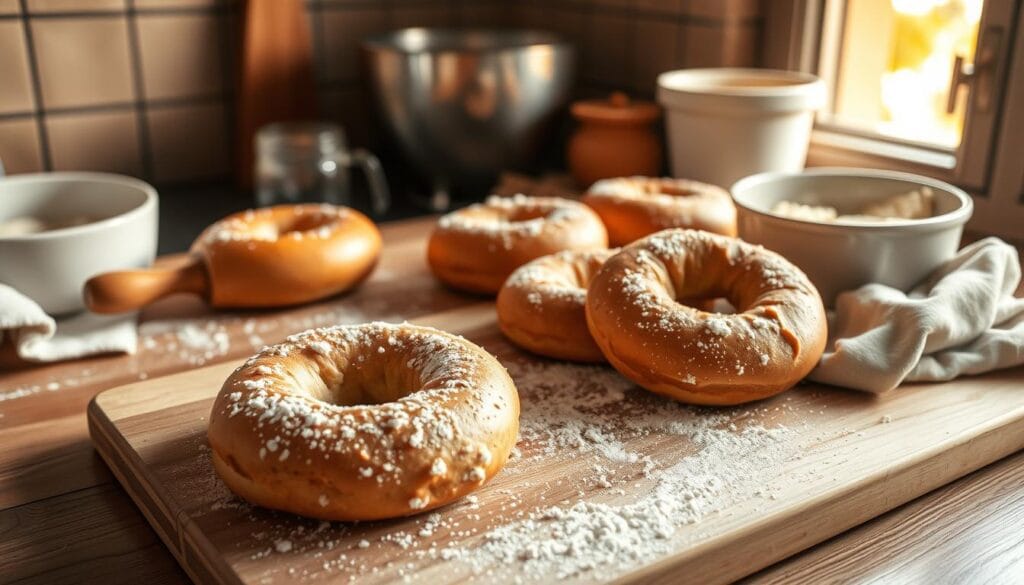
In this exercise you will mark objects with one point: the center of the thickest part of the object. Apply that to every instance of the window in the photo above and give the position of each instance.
(934, 87)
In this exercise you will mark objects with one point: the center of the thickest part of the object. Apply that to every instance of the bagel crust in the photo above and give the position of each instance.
(634, 207)
(287, 254)
(541, 306)
(364, 422)
(476, 248)
(773, 340)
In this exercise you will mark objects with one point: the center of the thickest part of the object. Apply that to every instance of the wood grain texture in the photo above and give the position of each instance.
(967, 532)
(154, 439)
(46, 461)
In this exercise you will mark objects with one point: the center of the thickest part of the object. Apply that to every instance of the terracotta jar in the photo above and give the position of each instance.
(615, 139)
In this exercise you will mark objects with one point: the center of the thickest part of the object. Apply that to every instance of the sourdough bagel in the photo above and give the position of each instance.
(476, 248)
(634, 207)
(541, 306)
(364, 422)
(287, 254)
(773, 340)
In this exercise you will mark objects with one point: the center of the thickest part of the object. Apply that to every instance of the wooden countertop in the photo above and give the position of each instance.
(64, 519)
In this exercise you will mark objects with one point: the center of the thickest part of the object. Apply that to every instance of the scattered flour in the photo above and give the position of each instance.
(616, 503)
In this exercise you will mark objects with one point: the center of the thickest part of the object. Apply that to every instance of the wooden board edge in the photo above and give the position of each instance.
(118, 455)
(760, 547)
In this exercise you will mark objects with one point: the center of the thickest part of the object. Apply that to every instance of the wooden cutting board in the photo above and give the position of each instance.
(745, 486)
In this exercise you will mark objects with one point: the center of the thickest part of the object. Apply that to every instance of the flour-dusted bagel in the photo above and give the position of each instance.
(773, 340)
(634, 207)
(287, 254)
(477, 247)
(541, 306)
(364, 422)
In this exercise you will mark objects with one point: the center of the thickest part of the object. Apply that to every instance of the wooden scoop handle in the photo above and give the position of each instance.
(128, 290)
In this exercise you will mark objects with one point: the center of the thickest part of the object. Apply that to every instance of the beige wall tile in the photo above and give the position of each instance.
(10, 7)
(488, 14)
(82, 61)
(655, 51)
(721, 9)
(719, 46)
(181, 55)
(144, 4)
(606, 50)
(614, 3)
(665, 6)
(95, 141)
(188, 142)
(430, 14)
(16, 87)
(74, 5)
(343, 31)
(530, 15)
(19, 146)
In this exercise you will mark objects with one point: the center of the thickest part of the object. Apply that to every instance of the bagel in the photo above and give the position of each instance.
(541, 306)
(287, 254)
(634, 207)
(773, 340)
(363, 422)
(476, 248)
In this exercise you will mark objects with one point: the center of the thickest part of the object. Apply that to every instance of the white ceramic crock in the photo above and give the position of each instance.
(839, 257)
(726, 124)
(51, 267)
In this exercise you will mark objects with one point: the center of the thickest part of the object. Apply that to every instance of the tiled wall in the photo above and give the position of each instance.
(625, 44)
(130, 86)
(145, 87)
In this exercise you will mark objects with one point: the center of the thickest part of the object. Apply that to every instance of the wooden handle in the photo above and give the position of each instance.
(129, 290)
(277, 83)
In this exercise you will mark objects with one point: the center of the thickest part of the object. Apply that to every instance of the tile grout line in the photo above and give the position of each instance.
(37, 88)
(230, 16)
(138, 87)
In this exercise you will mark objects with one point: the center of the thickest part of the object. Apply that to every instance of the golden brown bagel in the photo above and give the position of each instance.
(773, 341)
(287, 254)
(364, 422)
(476, 248)
(634, 207)
(541, 306)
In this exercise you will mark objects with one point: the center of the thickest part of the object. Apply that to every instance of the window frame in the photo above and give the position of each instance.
(799, 32)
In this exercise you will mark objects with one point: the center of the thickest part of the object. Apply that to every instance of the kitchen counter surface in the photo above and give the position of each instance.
(64, 519)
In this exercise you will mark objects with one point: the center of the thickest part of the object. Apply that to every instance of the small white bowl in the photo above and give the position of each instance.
(50, 267)
(837, 256)
(727, 123)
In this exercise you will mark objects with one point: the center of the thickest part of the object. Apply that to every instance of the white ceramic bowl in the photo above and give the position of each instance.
(725, 124)
(840, 257)
(51, 267)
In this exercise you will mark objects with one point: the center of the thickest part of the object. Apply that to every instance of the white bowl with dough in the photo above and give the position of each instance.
(97, 222)
(844, 256)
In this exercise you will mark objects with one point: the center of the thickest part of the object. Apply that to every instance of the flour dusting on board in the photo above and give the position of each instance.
(613, 504)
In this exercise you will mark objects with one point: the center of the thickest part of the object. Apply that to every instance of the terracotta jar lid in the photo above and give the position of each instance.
(618, 108)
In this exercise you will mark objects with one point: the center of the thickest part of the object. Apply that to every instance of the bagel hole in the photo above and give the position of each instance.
(719, 305)
(519, 215)
(376, 379)
(676, 191)
(305, 222)
(658, 188)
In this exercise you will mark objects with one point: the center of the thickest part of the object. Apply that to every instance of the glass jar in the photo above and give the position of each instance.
(308, 162)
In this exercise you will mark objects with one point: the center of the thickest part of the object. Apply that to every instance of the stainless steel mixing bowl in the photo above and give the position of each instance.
(464, 105)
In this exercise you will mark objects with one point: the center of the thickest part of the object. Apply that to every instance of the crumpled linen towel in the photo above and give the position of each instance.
(38, 337)
(962, 319)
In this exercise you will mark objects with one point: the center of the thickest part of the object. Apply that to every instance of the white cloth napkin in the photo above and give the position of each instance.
(962, 319)
(38, 337)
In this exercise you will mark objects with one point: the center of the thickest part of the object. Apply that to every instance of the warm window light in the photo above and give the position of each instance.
(897, 82)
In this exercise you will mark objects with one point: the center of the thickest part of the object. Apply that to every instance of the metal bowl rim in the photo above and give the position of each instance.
(534, 37)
